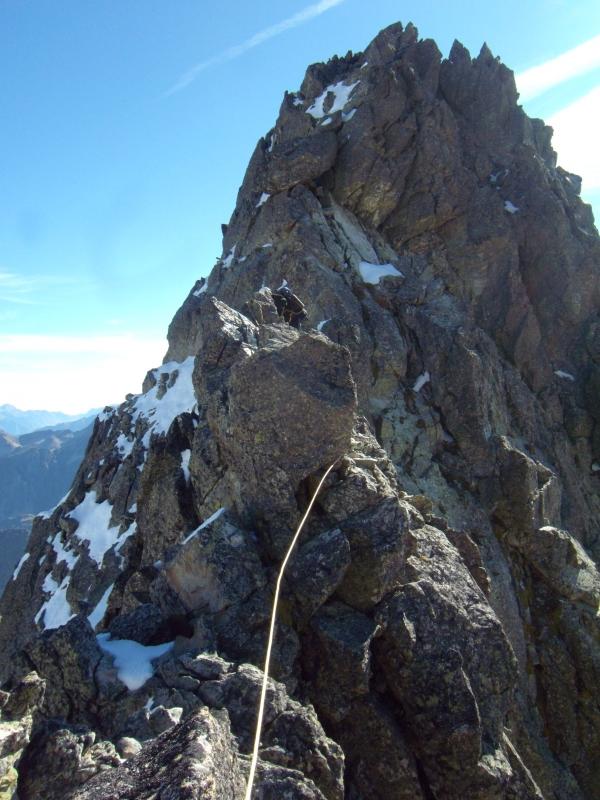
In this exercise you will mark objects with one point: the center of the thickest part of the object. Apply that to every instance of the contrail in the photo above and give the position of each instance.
(308, 13)
(577, 61)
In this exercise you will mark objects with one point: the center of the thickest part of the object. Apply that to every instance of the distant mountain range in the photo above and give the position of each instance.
(16, 422)
(36, 470)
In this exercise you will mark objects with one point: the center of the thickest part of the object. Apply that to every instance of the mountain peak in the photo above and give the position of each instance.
(408, 293)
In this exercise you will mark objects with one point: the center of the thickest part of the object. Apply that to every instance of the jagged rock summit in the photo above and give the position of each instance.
(439, 633)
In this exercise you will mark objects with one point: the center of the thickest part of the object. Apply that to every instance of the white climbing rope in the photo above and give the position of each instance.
(263, 692)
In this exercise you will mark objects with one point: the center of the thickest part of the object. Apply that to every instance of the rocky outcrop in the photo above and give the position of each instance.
(438, 633)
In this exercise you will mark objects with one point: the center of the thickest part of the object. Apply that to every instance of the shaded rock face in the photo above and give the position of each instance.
(438, 633)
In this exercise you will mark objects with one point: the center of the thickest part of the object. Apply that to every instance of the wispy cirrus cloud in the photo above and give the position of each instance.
(29, 289)
(570, 64)
(305, 15)
(15, 288)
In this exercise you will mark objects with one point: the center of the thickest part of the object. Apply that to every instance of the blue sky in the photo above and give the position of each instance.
(127, 127)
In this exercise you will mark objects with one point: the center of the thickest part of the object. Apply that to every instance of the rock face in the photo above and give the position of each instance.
(438, 633)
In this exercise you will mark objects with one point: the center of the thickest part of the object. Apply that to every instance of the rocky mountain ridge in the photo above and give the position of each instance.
(438, 636)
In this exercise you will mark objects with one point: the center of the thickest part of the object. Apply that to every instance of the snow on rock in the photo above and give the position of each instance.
(373, 273)
(495, 176)
(62, 554)
(341, 93)
(123, 538)
(228, 260)
(149, 704)
(132, 660)
(205, 524)
(424, 378)
(201, 290)
(94, 526)
(510, 207)
(263, 199)
(298, 101)
(268, 244)
(347, 115)
(185, 464)
(106, 413)
(321, 324)
(595, 467)
(124, 446)
(178, 398)
(98, 613)
(19, 565)
(566, 375)
(366, 64)
(55, 611)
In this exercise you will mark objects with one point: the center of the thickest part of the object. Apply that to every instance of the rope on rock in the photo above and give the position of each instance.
(263, 692)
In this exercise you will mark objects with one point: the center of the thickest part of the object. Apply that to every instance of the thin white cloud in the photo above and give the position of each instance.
(14, 288)
(29, 290)
(305, 15)
(577, 61)
(74, 373)
(576, 138)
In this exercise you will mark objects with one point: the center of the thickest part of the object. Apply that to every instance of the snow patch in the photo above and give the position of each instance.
(62, 554)
(502, 173)
(297, 101)
(94, 526)
(132, 659)
(510, 207)
(107, 413)
(347, 115)
(123, 538)
(424, 378)
(124, 446)
(178, 398)
(205, 524)
(341, 94)
(372, 273)
(55, 611)
(185, 464)
(268, 244)
(98, 613)
(149, 704)
(19, 565)
(322, 324)
(566, 375)
(263, 199)
(595, 467)
(201, 290)
(228, 260)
